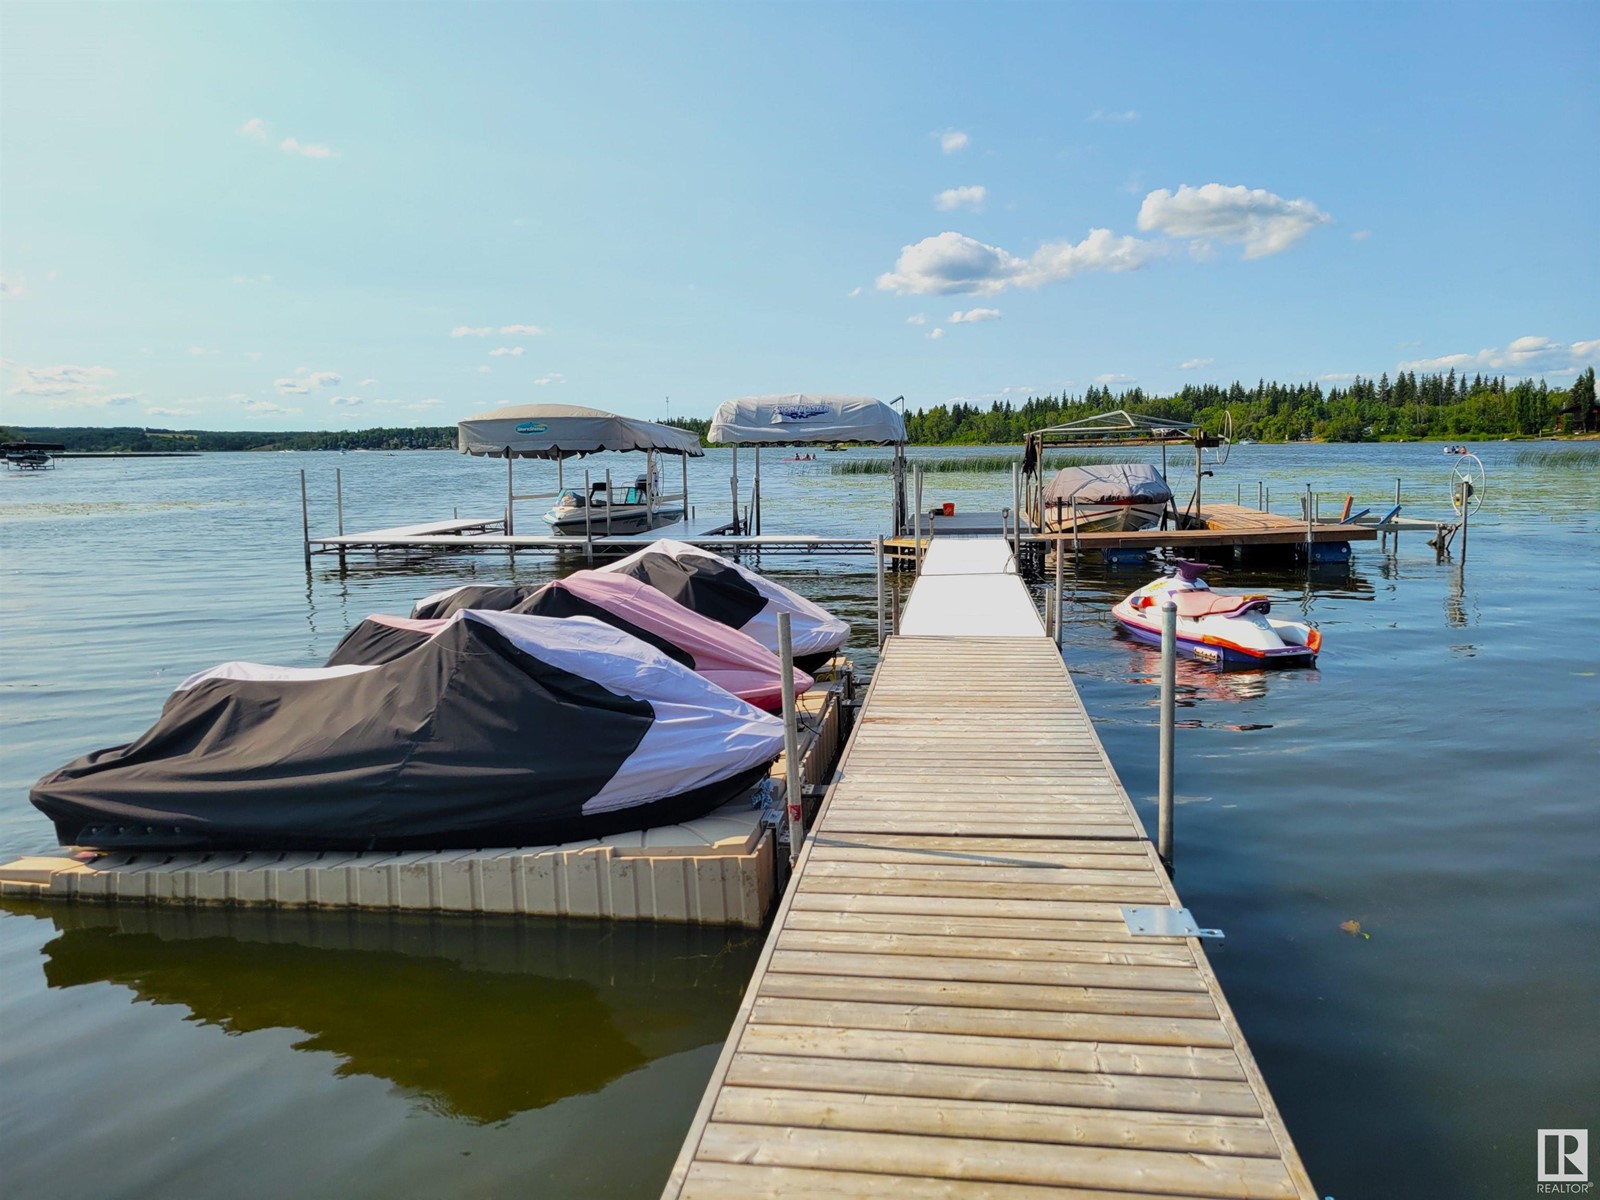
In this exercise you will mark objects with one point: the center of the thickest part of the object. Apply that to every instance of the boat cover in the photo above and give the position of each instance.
(723, 590)
(802, 420)
(1111, 483)
(500, 730)
(567, 431)
(730, 659)
(488, 596)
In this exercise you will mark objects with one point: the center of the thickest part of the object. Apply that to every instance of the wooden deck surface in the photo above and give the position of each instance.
(950, 1003)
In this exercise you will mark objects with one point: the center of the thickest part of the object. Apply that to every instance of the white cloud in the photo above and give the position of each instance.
(60, 381)
(1361, 235)
(255, 128)
(971, 196)
(1112, 378)
(346, 401)
(521, 330)
(472, 331)
(266, 408)
(973, 315)
(853, 293)
(1123, 116)
(917, 319)
(951, 263)
(1525, 355)
(1194, 364)
(369, 383)
(304, 380)
(201, 351)
(1337, 377)
(484, 370)
(952, 140)
(503, 351)
(291, 145)
(1260, 221)
(935, 335)
(555, 377)
(171, 412)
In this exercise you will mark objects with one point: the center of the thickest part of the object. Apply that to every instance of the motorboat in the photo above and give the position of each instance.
(30, 456)
(1227, 629)
(607, 510)
(1113, 497)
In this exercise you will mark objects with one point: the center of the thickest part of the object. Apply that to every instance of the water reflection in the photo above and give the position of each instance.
(476, 1020)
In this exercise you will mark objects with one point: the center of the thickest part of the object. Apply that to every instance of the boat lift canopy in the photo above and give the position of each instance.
(561, 431)
(802, 420)
(805, 420)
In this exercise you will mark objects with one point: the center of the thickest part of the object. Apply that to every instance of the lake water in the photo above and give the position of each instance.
(1434, 780)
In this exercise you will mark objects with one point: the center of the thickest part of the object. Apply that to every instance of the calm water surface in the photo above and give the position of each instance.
(1435, 780)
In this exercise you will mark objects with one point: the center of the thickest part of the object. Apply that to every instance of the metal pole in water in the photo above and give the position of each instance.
(1075, 544)
(511, 498)
(1466, 499)
(1394, 540)
(877, 549)
(1169, 712)
(1310, 529)
(1016, 513)
(588, 531)
(1259, 504)
(305, 519)
(338, 495)
(1238, 494)
(1059, 569)
(792, 797)
(917, 524)
(608, 501)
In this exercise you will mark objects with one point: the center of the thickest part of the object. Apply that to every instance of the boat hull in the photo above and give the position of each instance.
(1108, 517)
(623, 521)
(1206, 648)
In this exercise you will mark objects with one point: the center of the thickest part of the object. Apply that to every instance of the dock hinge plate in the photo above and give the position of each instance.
(1161, 921)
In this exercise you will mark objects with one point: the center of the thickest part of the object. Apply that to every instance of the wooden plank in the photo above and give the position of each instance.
(960, 968)
(1016, 997)
(853, 940)
(1144, 1093)
(974, 1050)
(1032, 1121)
(952, 1020)
(991, 889)
(1153, 1172)
(987, 928)
(738, 1181)
(950, 906)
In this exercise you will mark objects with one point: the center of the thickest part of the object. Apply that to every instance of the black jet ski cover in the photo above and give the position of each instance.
(496, 732)
(723, 590)
(485, 596)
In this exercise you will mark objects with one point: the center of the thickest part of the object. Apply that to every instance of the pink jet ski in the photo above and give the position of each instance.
(1218, 627)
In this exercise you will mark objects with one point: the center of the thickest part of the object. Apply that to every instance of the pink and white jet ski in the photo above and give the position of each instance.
(1216, 627)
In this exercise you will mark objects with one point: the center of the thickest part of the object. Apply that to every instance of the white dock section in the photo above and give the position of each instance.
(966, 576)
(717, 870)
(950, 1003)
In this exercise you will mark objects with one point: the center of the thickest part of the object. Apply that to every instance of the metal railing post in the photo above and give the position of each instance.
(338, 496)
(608, 501)
(877, 549)
(1016, 513)
(305, 519)
(1169, 711)
(1060, 569)
(588, 521)
(793, 799)
(916, 523)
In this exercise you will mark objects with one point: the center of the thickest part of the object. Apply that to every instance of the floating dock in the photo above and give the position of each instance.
(952, 1002)
(717, 870)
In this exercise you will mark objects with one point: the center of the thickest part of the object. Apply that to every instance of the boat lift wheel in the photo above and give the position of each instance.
(1468, 470)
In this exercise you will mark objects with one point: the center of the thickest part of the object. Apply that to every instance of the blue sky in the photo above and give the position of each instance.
(326, 216)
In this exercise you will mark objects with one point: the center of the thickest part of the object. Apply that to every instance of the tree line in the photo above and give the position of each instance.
(127, 438)
(1409, 407)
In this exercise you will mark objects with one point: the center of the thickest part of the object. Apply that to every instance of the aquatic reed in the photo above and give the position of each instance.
(977, 463)
(1561, 458)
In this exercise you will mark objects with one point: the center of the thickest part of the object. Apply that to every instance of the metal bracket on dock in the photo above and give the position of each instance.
(1160, 921)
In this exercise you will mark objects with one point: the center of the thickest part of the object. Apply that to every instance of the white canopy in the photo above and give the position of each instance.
(788, 420)
(566, 431)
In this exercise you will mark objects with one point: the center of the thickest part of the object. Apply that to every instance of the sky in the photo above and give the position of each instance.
(315, 216)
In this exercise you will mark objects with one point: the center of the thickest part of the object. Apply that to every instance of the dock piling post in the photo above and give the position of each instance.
(608, 501)
(1260, 506)
(1310, 527)
(792, 798)
(916, 523)
(1464, 490)
(1057, 601)
(305, 520)
(588, 522)
(1075, 542)
(1016, 513)
(1169, 711)
(511, 500)
(1238, 494)
(877, 550)
(1394, 540)
(338, 496)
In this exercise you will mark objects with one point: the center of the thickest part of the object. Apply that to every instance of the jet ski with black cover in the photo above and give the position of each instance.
(1216, 627)
(500, 730)
(723, 590)
(732, 660)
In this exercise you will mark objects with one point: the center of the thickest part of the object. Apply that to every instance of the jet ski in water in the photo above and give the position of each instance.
(1216, 627)
(498, 730)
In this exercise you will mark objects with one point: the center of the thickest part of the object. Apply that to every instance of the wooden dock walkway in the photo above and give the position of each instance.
(950, 1003)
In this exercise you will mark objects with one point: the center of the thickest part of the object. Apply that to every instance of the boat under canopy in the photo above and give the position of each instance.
(562, 431)
(499, 730)
(732, 660)
(799, 420)
(727, 592)
(1112, 496)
